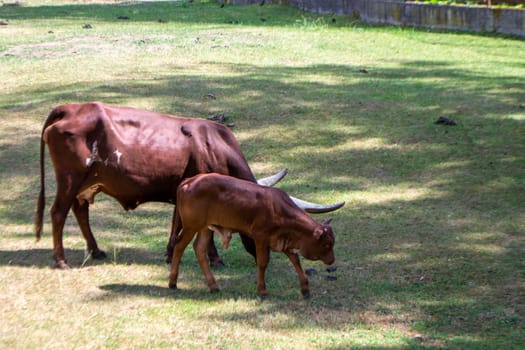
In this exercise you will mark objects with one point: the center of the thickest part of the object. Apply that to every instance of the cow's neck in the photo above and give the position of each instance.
(301, 225)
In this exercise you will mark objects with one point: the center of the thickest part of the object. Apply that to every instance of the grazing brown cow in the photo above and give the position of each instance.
(135, 156)
(214, 202)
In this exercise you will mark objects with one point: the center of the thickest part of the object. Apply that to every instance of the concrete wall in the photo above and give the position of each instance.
(470, 18)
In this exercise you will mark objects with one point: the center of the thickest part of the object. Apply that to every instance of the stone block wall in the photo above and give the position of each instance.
(413, 14)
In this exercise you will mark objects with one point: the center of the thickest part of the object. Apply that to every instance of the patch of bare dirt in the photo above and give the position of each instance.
(69, 47)
(87, 45)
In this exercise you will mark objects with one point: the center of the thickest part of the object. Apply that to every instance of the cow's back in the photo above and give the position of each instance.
(186, 145)
(138, 156)
(213, 199)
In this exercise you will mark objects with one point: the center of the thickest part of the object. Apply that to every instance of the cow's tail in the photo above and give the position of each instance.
(41, 202)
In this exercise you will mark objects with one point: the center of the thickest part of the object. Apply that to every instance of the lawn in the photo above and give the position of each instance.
(430, 246)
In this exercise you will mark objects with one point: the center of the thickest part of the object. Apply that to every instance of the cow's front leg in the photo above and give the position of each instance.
(263, 256)
(213, 254)
(249, 245)
(303, 279)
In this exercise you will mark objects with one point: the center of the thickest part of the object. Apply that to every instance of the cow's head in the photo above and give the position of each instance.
(320, 246)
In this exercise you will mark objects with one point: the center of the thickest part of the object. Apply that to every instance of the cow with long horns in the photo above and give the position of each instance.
(214, 202)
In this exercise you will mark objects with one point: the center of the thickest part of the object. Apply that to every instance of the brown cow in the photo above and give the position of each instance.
(214, 202)
(135, 156)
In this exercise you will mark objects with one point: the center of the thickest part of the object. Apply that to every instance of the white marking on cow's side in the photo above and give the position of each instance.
(118, 154)
(94, 155)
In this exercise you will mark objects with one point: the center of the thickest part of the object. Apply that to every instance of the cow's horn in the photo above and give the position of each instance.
(315, 208)
(272, 180)
(306, 206)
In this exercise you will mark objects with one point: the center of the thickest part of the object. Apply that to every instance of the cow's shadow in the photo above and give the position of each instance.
(43, 258)
(115, 290)
(288, 309)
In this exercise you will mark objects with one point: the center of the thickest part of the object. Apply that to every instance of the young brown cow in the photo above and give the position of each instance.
(213, 202)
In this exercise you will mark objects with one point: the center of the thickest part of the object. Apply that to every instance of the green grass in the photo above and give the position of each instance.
(430, 245)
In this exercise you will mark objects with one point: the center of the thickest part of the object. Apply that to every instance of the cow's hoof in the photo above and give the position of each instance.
(214, 290)
(173, 286)
(169, 256)
(262, 298)
(217, 264)
(98, 254)
(62, 265)
(262, 294)
(306, 294)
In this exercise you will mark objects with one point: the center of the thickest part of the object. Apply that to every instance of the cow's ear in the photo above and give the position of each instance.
(327, 221)
(318, 232)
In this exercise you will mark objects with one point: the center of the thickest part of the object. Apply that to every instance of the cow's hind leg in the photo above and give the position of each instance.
(200, 245)
(67, 186)
(81, 212)
(176, 226)
(303, 279)
(183, 239)
(59, 212)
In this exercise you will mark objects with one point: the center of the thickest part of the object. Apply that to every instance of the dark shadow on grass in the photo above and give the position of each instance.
(43, 258)
(202, 293)
(120, 289)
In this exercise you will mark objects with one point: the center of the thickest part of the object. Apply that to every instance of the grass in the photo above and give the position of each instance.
(430, 246)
